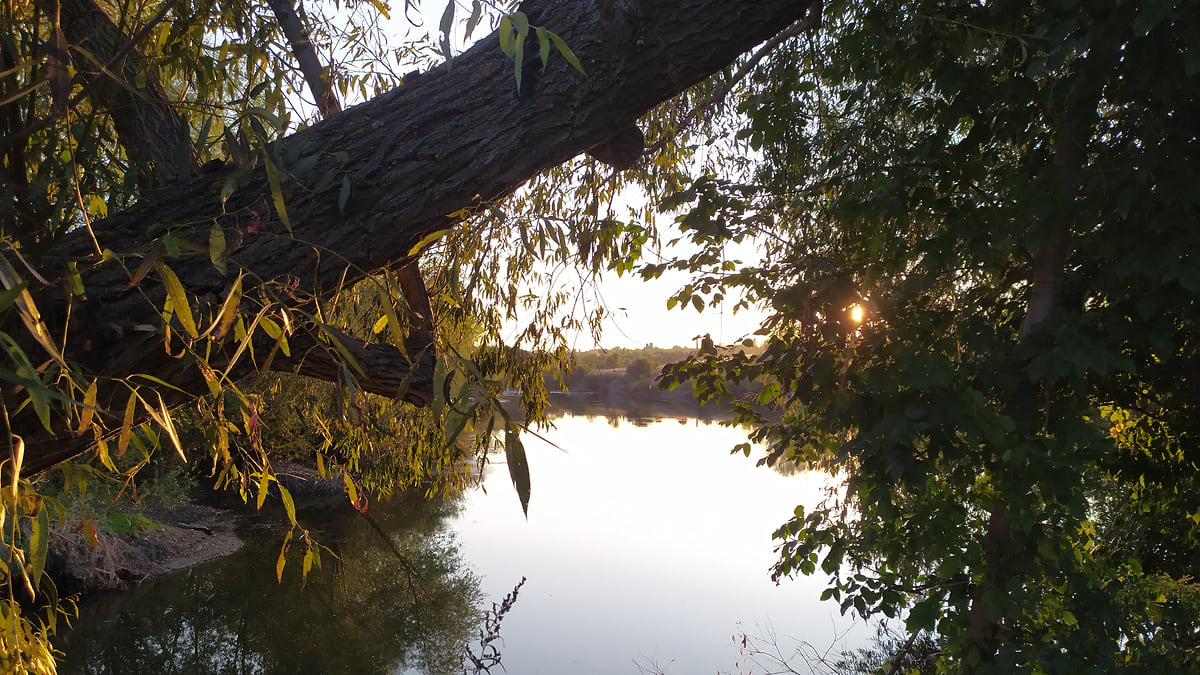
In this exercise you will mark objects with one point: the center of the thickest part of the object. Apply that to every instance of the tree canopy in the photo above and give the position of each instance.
(981, 261)
(976, 221)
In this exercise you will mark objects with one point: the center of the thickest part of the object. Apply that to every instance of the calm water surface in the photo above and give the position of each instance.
(647, 546)
(646, 543)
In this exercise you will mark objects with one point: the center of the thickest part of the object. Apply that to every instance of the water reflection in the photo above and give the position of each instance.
(646, 543)
(638, 413)
(400, 600)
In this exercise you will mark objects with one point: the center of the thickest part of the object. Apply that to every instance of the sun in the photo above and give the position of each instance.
(857, 313)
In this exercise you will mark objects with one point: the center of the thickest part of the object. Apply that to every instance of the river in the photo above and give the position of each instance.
(647, 548)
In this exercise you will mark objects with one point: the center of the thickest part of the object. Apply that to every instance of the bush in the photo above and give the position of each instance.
(640, 368)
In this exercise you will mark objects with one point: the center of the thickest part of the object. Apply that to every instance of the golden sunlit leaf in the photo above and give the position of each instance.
(288, 505)
(127, 424)
(178, 298)
(279, 564)
(426, 241)
(264, 486)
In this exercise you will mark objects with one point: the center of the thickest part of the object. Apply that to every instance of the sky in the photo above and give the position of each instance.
(641, 316)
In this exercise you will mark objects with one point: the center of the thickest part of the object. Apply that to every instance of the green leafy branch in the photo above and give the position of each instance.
(514, 29)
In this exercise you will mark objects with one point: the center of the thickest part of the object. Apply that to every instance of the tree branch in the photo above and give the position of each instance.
(441, 143)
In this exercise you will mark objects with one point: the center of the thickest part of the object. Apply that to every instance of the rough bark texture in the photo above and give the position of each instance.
(455, 136)
(149, 128)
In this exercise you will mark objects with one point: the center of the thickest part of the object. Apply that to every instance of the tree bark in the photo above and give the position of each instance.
(451, 138)
(154, 135)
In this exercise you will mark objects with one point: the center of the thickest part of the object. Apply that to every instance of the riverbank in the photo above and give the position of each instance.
(154, 541)
(139, 542)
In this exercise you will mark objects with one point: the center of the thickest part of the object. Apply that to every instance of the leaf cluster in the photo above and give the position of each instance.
(917, 165)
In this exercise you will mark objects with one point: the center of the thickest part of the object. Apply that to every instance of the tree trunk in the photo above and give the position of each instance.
(404, 163)
(154, 135)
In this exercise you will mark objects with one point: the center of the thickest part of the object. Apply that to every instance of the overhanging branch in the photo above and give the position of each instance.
(444, 141)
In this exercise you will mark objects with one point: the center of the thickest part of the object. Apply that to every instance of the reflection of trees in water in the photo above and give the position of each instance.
(407, 603)
(637, 411)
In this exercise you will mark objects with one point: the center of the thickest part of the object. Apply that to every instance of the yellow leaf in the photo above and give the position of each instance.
(89, 408)
(127, 424)
(380, 324)
(229, 311)
(178, 298)
(426, 241)
(168, 425)
(282, 557)
(263, 487)
(288, 504)
(105, 459)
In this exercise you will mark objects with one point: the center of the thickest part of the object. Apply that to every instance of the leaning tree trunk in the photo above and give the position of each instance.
(364, 186)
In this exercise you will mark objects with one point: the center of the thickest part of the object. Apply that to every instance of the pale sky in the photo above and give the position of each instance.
(646, 320)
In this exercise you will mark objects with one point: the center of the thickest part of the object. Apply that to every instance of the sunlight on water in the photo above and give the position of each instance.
(645, 542)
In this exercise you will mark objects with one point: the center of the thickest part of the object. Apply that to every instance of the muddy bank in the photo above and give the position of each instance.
(85, 557)
(157, 540)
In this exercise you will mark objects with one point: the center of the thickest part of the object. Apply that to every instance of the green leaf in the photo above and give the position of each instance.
(105, 458)
(126, 433)
(9, 296)
(216, 247)
(506, 36)
(393, 322)
(518, 60)
(567, 53)
(543, 45)
(448, 17)
(74, 282)
(380, 324)
(88, 408)
(924, 614)
(306, 565)
(230, 186)
(344, 195)
(521, 25)
(39, 541)
(255, 113)
(518, 466)
(272, 329)
(277, 192)
(163, 417)
(171, 245)
(29, 378)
